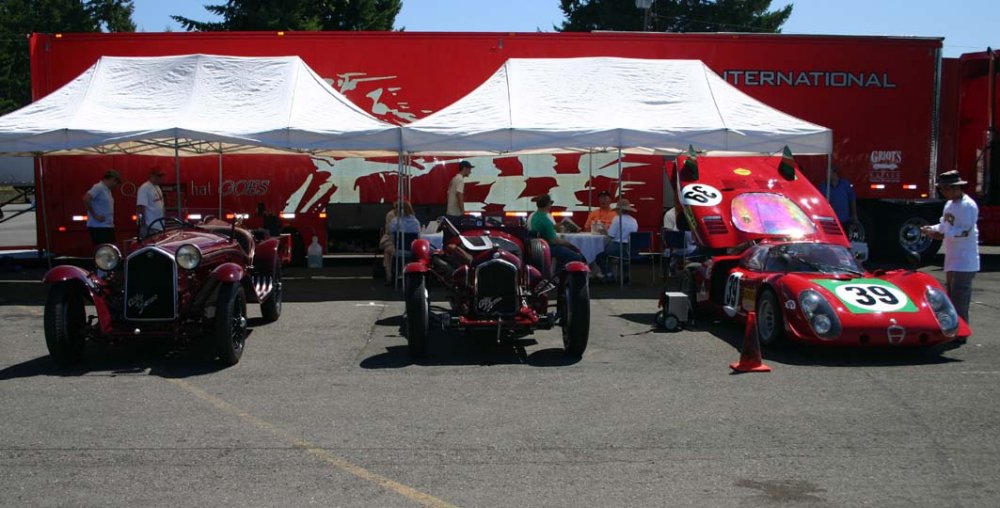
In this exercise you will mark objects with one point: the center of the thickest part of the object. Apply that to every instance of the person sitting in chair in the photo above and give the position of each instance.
(407, 223)
(542, 223)
(618, 233)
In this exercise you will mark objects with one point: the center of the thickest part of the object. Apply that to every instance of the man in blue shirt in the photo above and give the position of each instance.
(100, 204)
(841, 197)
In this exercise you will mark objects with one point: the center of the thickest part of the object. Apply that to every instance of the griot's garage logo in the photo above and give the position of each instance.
(825, 79)
(885, 166)
(232, 188)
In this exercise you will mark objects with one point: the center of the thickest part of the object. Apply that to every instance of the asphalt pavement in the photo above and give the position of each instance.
(327, 409)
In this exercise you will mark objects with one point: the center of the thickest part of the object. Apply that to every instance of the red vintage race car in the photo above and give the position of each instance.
(499, 281)
(771, 244)
(183, 282)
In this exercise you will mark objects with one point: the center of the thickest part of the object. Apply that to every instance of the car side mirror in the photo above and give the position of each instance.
(913, 259)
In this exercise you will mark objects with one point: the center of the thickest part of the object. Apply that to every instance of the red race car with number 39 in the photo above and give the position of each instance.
(770, 243)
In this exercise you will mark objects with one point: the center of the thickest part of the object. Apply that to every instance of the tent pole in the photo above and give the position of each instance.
(621, 247)
(177, 175)
(400, 194)
(829, 174)
(590, 181)
(45, 214)
(220, 216)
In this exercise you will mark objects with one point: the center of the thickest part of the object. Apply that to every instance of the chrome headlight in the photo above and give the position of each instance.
(107, 257)
(820, 314)
(188, 257)
(943, 310)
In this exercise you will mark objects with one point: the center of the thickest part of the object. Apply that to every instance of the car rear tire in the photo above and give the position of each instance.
(770, 321)
(65, 322)
(271, 308)
(230, 323)
(417, 315)
(576, 322)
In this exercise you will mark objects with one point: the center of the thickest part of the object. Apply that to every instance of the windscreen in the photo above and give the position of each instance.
(770, 214)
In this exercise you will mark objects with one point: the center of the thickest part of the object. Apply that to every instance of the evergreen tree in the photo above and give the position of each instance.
(298, 15)
(19, 18)
(674, 16)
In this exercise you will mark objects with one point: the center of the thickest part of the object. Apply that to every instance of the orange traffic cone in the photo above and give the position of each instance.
(750, 359)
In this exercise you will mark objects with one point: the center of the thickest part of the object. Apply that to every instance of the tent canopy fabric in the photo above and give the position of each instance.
(602, 103)
(198, 104)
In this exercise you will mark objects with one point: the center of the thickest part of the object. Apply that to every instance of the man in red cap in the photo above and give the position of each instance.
(149, 202)
(961, 240)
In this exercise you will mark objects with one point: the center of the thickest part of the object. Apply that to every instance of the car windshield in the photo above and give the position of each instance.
(812, 257)
(770, 214)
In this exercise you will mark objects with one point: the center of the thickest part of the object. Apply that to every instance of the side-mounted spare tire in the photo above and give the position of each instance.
(576, 319)
(65, 323)
(537, 258)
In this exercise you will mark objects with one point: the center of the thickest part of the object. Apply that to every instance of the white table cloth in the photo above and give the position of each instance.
(590, 245)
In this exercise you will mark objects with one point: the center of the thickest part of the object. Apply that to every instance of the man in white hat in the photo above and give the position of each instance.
(961, 240)
(623, 225)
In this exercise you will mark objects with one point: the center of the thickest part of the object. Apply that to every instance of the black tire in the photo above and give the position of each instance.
(576, 322)
(535, 258)
(417, 314)
(230, 323)
(65, 324)
(660, 319)
(687, 286)
(271, 308)
(770, 320)
(298, 246)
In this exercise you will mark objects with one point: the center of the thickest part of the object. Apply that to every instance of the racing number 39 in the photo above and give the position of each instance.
(868, 296)
(699, 194)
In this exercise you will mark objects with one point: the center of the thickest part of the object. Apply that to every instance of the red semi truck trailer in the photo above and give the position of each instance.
(893, 105)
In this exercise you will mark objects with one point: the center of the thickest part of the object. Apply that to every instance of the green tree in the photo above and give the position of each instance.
(19, 18)
(674, 16)
(298, 15)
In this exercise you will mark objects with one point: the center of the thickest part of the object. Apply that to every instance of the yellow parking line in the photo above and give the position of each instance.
(312, 449)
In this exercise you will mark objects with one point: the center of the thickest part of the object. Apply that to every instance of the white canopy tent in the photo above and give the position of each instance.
(195, 105)
(602, 103)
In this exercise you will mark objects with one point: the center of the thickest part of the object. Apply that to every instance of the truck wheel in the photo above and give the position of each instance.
(298, 246)
(230, 323)
(576, 322)
(417, 315)
(910, 239)
(65, 323)
(271, 308)
(770, 321)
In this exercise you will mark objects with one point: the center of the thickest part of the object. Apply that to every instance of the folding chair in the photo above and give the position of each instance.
(637, 243)
(674, 243)
(401, 252)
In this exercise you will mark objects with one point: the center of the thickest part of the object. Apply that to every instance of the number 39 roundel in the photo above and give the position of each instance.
(862, 296)
(699, 194)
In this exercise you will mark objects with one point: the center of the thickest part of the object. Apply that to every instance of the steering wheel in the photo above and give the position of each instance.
(493, 221)
(162, 222)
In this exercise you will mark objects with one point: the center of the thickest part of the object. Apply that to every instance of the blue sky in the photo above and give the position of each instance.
(967, 25)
